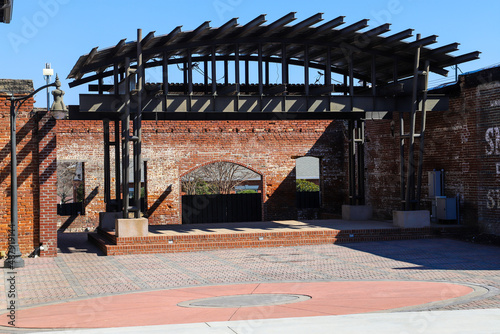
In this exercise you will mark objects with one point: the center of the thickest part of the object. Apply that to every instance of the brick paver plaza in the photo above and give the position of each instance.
(80, 272)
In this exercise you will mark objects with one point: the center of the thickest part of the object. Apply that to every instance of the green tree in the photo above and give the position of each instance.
(247, 191)
(306, 186)
(80, 193)
(216, 178)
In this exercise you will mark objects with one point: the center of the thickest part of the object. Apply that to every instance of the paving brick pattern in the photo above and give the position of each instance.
(80, 271)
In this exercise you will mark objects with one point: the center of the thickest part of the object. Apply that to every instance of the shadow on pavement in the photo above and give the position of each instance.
(434, 254)
(70, 243)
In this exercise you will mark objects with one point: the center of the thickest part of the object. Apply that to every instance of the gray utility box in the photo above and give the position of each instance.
(436, 183)
(446, 208)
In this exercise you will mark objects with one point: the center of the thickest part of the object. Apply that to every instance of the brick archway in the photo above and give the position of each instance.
(192, 169)
(198, 208)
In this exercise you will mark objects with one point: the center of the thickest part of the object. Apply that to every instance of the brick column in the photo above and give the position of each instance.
(47, 160)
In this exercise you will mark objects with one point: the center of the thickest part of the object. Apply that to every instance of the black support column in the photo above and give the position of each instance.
(125, 142)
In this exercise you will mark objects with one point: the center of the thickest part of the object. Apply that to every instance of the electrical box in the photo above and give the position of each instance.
(436, 183)
(446, 208)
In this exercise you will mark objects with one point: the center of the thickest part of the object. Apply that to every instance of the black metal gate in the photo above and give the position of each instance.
(205, 209)
(70, 209)
(307, 200)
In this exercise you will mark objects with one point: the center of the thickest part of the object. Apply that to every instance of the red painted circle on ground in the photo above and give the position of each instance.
(160, 307)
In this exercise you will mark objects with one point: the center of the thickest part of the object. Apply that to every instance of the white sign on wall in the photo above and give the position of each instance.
(492, 137)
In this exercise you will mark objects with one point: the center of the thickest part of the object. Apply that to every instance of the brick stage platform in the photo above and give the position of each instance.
(202, 237)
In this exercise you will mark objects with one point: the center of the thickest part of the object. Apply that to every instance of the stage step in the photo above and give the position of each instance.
(111, 245)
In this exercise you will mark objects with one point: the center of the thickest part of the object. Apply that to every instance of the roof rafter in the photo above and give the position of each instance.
(280, 23)
(327, 43)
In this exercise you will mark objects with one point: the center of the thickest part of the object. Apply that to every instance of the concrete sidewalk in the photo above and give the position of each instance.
(431, 322)
(80, 275)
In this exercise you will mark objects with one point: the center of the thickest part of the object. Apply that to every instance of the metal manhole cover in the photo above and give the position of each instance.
(245, 300)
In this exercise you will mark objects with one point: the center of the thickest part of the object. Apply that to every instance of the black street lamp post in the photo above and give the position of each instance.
(14, 259)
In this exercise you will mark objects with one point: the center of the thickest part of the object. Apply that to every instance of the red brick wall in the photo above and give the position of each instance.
(382, 168)
(83, 141)
(47, 183)
(27, 172)
(464, 142)
(488, 156)
(173, 148)
(452, 146)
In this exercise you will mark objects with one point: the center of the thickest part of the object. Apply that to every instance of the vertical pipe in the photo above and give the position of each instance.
(125, 141)
(260, 74)
(352, 162)
(328, 74)
(306, 75)
(47, 79)
(145, 166)
(284, 75)
(117, 164)
(267, 74)
(205, 75)
(247, 76)
(138, 127)
(402, 178)
(351, 80)
(374, 83)
(116, 81)
(328, 67)
(410, 184)
(107, 165)
(355, 197)
(214, 72)
(260, 77)
(165, 79)
(100, 84)
(165, 73)
(284, 65)
(306, 70)
(237, 68)
(346, 83)
(189, 70)
(13, 166)
(14, 259)
(422, 136)
(185, 77)
(361, 162)
(226, 72)
(237, 75)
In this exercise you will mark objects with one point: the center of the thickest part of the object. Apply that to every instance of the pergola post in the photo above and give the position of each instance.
(125, 142)
(116, 143)
(306, 75)
(137, 138)
(189, 70)
(422, 135)
(410, 184)
(214, 72)
(237, 76)
(107, 165)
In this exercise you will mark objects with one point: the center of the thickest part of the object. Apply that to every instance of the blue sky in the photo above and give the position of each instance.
(60, 31)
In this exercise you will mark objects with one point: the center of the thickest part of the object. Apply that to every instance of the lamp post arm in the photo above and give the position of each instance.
(32, 93)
